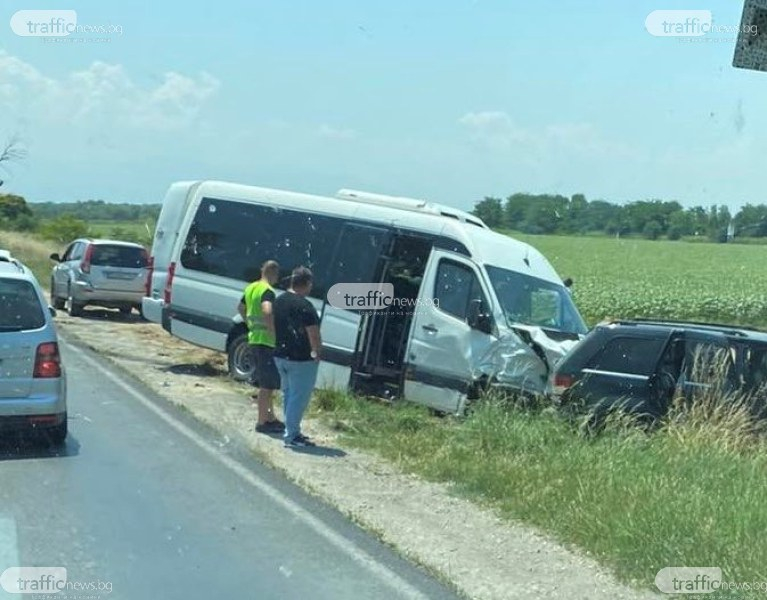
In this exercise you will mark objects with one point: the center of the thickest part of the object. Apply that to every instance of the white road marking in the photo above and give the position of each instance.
(380, 571)
(9, 550)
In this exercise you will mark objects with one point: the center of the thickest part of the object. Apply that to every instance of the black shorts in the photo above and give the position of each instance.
(265, 374)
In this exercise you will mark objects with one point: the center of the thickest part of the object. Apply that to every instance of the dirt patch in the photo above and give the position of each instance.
(471, 547)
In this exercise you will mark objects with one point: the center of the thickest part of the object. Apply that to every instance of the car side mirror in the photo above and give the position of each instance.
(52, 311)
(55, 256)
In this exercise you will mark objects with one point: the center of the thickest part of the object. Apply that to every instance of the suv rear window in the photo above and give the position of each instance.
(19, 306)
(632, 355)
(119, 256)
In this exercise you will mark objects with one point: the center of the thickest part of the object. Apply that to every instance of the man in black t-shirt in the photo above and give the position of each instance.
(296, 352)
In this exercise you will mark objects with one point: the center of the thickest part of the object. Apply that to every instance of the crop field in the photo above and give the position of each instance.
(623, 278)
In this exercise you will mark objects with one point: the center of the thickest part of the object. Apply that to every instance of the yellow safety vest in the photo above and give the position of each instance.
(257, 331)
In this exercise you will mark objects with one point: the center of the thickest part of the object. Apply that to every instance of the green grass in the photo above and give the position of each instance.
(32, 251)
(675, 280)
(638, 503)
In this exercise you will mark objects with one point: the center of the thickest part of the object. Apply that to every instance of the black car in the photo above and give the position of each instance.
(640, 365)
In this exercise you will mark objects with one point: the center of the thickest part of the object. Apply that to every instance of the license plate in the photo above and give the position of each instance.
(117, 275)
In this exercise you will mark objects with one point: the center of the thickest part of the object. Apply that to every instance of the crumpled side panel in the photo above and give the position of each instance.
(512, 362)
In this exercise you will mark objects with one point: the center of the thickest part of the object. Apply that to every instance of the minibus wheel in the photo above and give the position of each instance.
(239, 360)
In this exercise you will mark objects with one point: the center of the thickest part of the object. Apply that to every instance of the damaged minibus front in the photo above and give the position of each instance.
(501, 319)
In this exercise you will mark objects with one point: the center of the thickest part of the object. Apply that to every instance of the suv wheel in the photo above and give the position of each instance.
(125, 310)
(239, 358)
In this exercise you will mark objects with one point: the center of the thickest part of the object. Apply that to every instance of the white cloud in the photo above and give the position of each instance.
(102, 93)
(490, 119)
(497, 131)
(334, 133)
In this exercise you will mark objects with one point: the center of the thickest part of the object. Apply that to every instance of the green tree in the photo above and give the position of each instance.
(64, 229)
(12, 207)
(652, 230)
(490, 210)
(751, 221)
(15, 213)
(680, 224)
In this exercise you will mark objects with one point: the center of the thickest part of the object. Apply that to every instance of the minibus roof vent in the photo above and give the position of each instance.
(404, 203)
(401, 202)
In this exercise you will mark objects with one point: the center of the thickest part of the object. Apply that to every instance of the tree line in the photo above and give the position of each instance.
(651, 219)
(65, 221)
(97, 210)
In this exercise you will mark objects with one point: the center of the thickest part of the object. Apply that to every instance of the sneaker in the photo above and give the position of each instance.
(300, 441)
(270, 427)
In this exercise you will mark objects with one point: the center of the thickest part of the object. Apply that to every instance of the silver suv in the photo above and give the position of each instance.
(104, 273)
(32, 378)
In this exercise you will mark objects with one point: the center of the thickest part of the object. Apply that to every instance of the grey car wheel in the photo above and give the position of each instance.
(74, 309)
(56, 302)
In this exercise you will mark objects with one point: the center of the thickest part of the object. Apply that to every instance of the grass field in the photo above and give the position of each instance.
(691, 494)
(661, 279)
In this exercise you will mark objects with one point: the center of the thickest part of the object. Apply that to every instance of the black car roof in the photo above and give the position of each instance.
(735, 331)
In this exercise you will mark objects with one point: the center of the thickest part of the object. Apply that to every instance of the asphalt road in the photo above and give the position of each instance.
(147, 502)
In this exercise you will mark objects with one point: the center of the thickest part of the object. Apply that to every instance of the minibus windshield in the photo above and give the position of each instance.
(527, 300)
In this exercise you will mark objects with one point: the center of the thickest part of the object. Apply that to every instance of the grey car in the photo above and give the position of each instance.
(106, 273)
(32, 377)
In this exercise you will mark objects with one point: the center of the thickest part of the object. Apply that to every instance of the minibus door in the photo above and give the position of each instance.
(358, 259)
(452, 328)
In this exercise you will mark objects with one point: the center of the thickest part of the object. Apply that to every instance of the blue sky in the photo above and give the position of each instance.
(449, 101)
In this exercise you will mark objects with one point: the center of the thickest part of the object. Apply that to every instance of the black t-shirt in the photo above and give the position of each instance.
(292, 315)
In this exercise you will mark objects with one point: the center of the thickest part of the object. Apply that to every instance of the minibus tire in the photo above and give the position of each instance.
(238, 357)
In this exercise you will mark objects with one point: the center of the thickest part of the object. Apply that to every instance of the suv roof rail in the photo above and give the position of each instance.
(718, 327)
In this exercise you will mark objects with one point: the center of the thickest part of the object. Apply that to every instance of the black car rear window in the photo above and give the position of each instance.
(19, 306)
(119, 256)
(633, 355)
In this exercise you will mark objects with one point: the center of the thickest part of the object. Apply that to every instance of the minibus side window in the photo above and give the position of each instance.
(233, 239)
(456, 287)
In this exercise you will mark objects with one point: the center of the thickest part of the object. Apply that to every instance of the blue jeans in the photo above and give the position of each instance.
(298, 378)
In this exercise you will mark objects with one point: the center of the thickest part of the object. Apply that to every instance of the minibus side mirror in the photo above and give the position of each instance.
(478, 318)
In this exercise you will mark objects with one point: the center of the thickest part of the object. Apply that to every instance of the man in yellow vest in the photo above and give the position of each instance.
(256, 309)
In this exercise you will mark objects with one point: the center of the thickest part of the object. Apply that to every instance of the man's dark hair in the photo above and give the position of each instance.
(301, 277)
